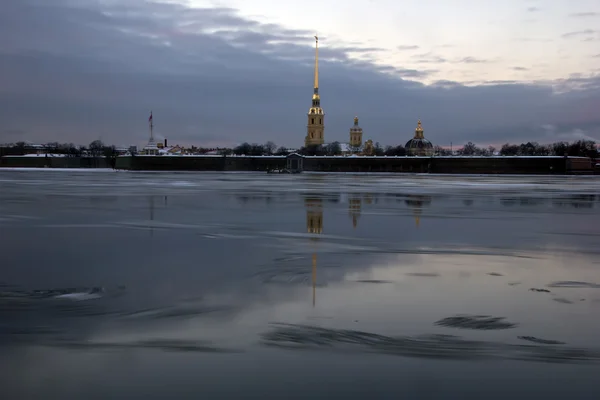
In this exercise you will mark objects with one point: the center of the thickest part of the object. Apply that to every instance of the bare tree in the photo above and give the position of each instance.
(270, 148)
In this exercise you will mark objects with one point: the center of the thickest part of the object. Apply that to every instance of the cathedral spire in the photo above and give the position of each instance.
(316, 92)
(315, 127)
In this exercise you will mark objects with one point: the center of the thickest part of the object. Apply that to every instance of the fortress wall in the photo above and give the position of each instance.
(53, 162)
(440, 165)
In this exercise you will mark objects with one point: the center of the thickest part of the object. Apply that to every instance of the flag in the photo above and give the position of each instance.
(150, 119)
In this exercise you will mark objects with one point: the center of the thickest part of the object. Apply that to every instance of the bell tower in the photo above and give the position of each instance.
(315, 127)
(356, 134)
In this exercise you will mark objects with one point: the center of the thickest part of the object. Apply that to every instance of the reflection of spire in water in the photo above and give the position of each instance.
(416, 203)
(314, 225)
(314, 278)
(354, 207)
(151, 216)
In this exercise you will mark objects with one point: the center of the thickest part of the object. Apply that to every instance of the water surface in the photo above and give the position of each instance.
(241, 285)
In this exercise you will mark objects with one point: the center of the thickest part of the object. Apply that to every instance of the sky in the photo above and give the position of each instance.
(223, 72)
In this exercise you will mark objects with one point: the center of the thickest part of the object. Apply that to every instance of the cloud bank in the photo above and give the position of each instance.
(75, 71)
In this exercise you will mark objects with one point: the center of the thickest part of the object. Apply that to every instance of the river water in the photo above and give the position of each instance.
(140, 285)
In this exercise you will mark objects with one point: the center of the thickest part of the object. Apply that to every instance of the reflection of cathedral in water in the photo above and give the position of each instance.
(314, 219)
(151, 207)
(314, 215)
(417, 203)
(354, 205)
(314, 225)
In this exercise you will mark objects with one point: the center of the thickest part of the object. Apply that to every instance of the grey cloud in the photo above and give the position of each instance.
(76, 71)
(585, 14)
(520, 69)
(429, 58)
(525, 39)
(533, 9)
(404, 72)
(446, 83)
(407, 47)
(500, 82)
(472, 60)
(578, 33)
(596, 56)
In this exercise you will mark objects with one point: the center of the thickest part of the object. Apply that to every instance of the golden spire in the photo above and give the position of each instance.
(316, 65)
(356, 120)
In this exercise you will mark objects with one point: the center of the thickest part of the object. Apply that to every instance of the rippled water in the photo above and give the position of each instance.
(242, 285)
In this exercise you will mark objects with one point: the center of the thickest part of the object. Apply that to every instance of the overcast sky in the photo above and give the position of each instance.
(225, 72)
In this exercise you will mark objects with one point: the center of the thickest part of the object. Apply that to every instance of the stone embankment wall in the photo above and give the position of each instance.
(438, 165)
(53, 162)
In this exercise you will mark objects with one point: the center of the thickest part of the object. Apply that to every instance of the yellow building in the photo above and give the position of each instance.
(356, 134)
(315, 127)
(369, 149)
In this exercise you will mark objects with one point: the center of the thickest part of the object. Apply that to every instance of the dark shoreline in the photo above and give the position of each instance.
(438, 165)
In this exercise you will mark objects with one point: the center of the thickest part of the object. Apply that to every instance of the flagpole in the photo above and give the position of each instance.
(151, 128)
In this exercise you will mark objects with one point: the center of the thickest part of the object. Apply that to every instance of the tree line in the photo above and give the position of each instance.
(581, 148)
(331, 149)
(94, 149)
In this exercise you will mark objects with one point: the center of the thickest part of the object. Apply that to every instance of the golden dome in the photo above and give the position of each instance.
(419, 126)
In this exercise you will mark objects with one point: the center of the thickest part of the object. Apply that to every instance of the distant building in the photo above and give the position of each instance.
(418, 145)
(368, 149)
(175, 150)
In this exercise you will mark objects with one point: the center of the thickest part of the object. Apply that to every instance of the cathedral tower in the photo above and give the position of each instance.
(356, 134)
(315, 127)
